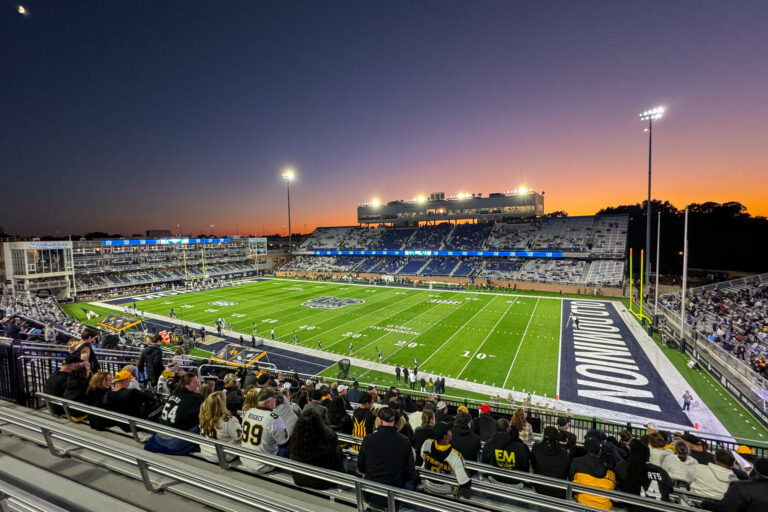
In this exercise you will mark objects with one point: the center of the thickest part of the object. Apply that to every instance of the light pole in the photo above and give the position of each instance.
(288, 176)
(212, 226)
(650, 116)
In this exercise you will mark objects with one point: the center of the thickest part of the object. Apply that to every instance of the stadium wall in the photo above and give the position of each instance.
(605, 291)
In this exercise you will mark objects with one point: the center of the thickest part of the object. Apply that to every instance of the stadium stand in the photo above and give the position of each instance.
(731, 316)
(227, 484)
(593, 249)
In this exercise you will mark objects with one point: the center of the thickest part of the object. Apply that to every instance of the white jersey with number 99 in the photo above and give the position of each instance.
(263, 432)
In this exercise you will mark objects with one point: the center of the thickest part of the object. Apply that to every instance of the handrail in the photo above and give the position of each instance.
(19, 499)
(224, 449)
(570, 487)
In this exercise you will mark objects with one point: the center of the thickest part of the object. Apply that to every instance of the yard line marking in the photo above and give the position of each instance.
(386, 333)
(457, 332)
(486, 339)
(560, 348)
(521, 343)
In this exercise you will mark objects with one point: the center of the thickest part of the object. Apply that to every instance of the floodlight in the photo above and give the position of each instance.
(289, 175)
(652, 114)
(21, 10)
(421, 199)
(375, 202)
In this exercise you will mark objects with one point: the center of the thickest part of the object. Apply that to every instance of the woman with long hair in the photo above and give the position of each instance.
(251, 399)
(338, 419)
(99, 394)
(524, 428)
(216, 422)
(207, 387)
(313, 442)
(550, 458)
(423, 433)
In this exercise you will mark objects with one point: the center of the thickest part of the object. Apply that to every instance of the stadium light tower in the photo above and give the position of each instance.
(651, 115)
(288, 177)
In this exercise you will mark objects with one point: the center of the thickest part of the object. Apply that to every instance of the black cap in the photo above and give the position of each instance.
(440, 429)
(761, 467)
(690, 438)
(74, 357)
(263, 379)
(561, 421)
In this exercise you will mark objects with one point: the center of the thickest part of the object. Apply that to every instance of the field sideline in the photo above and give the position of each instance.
(503, 340)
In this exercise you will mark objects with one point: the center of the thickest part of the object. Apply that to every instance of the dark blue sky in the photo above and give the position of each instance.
(127, 115)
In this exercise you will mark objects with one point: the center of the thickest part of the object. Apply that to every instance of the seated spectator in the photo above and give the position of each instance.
(637, 476)
(484, 426)
(712, 480)
(386, 457)
(589, 470)
(401, 422)
(423, 433)
(134, 382)
(234, 394)
(99, 394)
(57, 381)
(744, 495)
(505, 450)
(315, 404)
(88, 336)
(131, 401)
(263, 429)
(207, 387)
(440, 457)
(181, 358)
(658, 453)
(697, 450)
(550, 458)
(182, 411)
(414, 418)
(286, 410)
(340, 422)
(441, 413)
(680, 465)
(567, 439)
(313, 442)
(463, 439)
(519, 421)
(76, 388)
(217, 422)
(363, 419)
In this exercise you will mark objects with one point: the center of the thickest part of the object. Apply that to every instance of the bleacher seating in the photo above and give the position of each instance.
(552, 271)
(440, 267)
(564, 234)
(512, 236)
(413, 266)
(610, 236)
(468, 236)
(605, 272)
(429, 237)
(392, 239)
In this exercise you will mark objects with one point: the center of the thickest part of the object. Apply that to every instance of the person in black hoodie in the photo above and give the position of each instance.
(636, 474)
(549, 458)
(88, 337)
(338, 419)
(505, 450)
(423, 433)
(75, 388)
(464, 440)
(484, 426)
(57, 381)
(151, 359)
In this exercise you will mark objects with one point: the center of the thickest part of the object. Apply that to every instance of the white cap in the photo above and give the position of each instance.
(342, 387)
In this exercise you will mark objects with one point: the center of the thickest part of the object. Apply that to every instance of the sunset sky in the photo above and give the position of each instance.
(133, 115)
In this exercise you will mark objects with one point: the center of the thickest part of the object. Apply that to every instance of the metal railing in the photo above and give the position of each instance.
(15, 499)
(225, 451)
(146, 465)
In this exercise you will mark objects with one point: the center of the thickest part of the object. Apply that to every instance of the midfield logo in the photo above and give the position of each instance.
(331, 302)
(223, 303)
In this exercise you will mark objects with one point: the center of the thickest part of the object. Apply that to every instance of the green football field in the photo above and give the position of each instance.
(502, 340)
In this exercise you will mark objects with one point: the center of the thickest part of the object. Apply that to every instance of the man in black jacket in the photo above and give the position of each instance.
(152, 359)
(132, 402)
(464, 440)
(744, 495)
(57, 381)
(549, 458)
(181, 410)
(386, 456)
(505, 450)
(484, 426)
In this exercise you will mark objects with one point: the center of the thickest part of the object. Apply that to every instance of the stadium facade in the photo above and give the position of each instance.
(66, 268)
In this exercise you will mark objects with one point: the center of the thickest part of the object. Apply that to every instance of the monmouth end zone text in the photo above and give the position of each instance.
(602, 365)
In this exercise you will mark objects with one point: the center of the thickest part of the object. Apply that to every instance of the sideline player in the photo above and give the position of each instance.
(351, 348)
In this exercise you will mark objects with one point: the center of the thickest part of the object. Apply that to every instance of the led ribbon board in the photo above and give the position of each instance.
(503, 254)
(166, 241)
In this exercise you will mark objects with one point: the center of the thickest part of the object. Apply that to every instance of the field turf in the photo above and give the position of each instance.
(503, 340)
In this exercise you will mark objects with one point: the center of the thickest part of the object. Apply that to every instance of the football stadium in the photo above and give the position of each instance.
(384, 256)
(460, 302)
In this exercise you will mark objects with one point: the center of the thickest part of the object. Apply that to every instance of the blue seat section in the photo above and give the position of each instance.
(468, 236)
(429, 238)
(440, 267)
(413, 266)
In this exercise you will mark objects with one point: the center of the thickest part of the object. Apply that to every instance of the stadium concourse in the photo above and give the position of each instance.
(638, 385)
